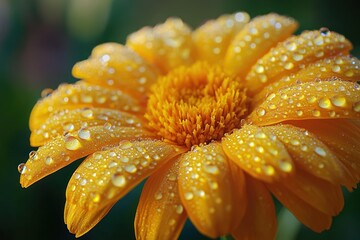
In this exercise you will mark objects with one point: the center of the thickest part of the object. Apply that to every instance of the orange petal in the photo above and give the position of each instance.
(82, 95)
(258, 153)
(213, 38)
(116, 66)
(322, 195)
(106, 176)
(294, 53)
(167, 45)
(255, 40)
(63, 150)
(259, 221)
(304, 212)
(160, 213)
(345, 68)
(342, 137)
(69, 121)
(309, 153)
(310, 100)
(212, 190)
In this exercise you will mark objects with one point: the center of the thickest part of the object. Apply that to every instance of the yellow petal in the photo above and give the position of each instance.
(259, 221)
(106, 176)
(63, 150)
(310, 100)
(342, 137)
(213, 38)
(116, 66)
(291, 55)
(304, 212)
(212, 190)
(309, 153)
(82, 95)
(258, 153)
(77, 120)
(345, 68)
(160, 213)
(255, 40)
(167, 45)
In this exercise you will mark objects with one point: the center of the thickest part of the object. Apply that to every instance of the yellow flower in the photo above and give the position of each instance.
(218, 118)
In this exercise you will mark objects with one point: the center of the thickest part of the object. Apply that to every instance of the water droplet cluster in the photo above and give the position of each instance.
(258, 152)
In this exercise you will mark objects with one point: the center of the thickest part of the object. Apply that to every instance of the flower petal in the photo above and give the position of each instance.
(213, 38)
(342, 137)
(69, 121)
(106, 176)
(160, 213)
(310, 154)
(255, 40)
(82, 95)
(322, 195)
(310, 100)
(294, 53)
(345, 68)
(63, 150)
(212, 190)
(167, 45)
(116, 66)
(304, 212)
(258, 153)
(259, 221)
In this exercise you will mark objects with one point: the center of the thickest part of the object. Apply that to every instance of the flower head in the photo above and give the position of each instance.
(220, 119)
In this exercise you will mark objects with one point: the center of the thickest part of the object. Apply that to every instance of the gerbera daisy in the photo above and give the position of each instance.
(220, 119)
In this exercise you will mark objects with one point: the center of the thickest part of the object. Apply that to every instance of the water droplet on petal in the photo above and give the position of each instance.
(158, 196)
(130, 168)
(268, 170)
(21, 168)
(72, 143)
(33, 155)
(118, 180)
(260, 112)
(49, 160)
(212, 169)
(84, 133)
(285, 166)
(356, 106)
(324, 31)
(338, 101)
(324, 103)
(189, 195)
(320, 151)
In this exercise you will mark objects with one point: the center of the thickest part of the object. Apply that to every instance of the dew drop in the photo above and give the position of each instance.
(21, 168)
(96, 198)
(320, 151)
(285, 166)
(87, 113)
(324, 31)
(107, 126)
(72, 143)
(49, 160)
(33, 155)
(291, 46)
(356, 106)
(83, 182)
(260, 112)
(130, 168)
(158, 196)
(179, 209)
(68, 127)
(338, 101)
(268, 170)
(316, 113)
(118, 180)
(324, 103)
(289, 65)
(46, 92)
(260, 135)
(259, 69)
(189, 196)
(212, 169)
(84, 133)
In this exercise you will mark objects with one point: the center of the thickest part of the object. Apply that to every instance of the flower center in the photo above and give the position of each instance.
(197, 104)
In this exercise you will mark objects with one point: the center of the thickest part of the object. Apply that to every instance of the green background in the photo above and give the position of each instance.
(39, 43)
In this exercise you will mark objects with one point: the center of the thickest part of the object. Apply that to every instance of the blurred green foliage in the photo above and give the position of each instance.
(40, 40)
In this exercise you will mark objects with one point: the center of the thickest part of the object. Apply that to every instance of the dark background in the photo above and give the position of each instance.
(39, 43)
